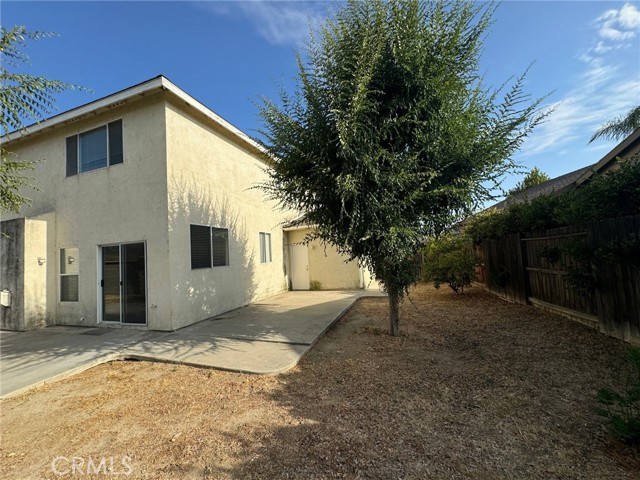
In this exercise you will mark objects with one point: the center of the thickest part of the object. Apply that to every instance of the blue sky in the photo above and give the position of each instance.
(228, 54)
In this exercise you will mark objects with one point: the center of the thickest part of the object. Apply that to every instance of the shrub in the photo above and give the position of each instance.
(604, 196)
(448, 259)
(623, 408)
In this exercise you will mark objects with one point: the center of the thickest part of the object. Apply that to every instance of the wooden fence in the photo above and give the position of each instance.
(588, 272)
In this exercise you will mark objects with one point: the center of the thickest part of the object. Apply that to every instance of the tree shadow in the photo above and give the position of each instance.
(210, 291)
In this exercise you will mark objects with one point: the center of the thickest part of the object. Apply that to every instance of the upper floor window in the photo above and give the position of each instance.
(97, 148)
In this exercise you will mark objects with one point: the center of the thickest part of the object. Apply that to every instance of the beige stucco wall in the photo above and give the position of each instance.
(327, 267)
(35, 273)
(211, 182)
(117, 204)
(23, 249)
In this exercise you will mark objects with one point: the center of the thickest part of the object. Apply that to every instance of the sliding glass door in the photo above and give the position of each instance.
(124, 284)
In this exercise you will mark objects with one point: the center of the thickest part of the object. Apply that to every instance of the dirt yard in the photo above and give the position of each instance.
(474, 388)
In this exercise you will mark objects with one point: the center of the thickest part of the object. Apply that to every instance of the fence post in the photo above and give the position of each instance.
(523, 269)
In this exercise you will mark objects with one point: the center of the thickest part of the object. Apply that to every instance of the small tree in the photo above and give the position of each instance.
(534, 177)
(23, 98)
(448, 259)
(390, 135)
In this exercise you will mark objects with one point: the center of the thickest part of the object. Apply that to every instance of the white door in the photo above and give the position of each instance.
(299, 267)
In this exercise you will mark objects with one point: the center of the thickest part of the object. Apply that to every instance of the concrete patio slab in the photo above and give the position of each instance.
(266, 337)
(294, 317)
(262, 358)
(30, 359)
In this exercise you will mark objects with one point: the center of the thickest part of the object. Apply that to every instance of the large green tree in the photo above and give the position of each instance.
(23, 98)
(390, 135)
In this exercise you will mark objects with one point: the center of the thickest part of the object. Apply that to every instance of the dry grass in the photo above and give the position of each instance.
(474, 388)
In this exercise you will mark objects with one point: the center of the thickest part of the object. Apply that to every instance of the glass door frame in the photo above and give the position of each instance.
(100, 285)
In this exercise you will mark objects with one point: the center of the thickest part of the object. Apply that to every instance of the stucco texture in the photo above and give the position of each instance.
(121, 203)
(211, 181)
(328, 269)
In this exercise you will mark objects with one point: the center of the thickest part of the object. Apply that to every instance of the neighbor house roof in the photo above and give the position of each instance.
(626, 146)
(577, 177)
(128, 95)
(557, 185)
(297, 223)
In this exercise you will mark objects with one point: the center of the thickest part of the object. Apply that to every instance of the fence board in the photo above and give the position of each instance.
(617, 291)
(536, 267)
(548, 276)
(503, 267)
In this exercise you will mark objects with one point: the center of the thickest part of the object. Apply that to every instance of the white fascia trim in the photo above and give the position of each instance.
(157, 83)
(89, 108)
(298, 227)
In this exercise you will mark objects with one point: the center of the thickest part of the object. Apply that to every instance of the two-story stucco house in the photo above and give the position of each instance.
(147, 215)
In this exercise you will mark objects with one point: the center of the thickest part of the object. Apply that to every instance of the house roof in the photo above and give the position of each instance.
(629, 144)
(297, 223)
(133, 93)
(554, 185)
(577, 177)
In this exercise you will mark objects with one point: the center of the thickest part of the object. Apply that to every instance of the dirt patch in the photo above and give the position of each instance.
(473, 388)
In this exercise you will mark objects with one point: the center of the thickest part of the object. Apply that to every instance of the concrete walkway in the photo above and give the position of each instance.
(266, 337)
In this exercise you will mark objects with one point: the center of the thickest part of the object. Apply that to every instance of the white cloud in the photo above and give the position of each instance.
(609, 33)
(619, 25)
(629, 17)
(603, 89)
(602, 48)
(278, 22)
(284, 22)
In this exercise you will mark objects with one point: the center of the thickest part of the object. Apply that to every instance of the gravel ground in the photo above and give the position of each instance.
(475, 387)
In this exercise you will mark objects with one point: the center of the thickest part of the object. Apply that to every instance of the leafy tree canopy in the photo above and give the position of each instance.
(390, 134)
(534, 177)
(604, 196)
(23, 98)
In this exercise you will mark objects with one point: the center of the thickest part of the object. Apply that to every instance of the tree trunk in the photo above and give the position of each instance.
(394, 305)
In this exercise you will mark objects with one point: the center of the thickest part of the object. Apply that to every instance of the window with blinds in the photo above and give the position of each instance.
(97, 148)
(209, 246)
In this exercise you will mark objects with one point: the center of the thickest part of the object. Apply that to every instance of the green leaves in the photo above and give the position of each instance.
(12, 181)
(449, 259)
(390, 135)
(619, 127)
(622, 408)
(534, 177)
(604, 196)
(22, 98)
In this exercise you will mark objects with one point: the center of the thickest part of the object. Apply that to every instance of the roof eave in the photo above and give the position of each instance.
(618, 150)
(124, 96)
